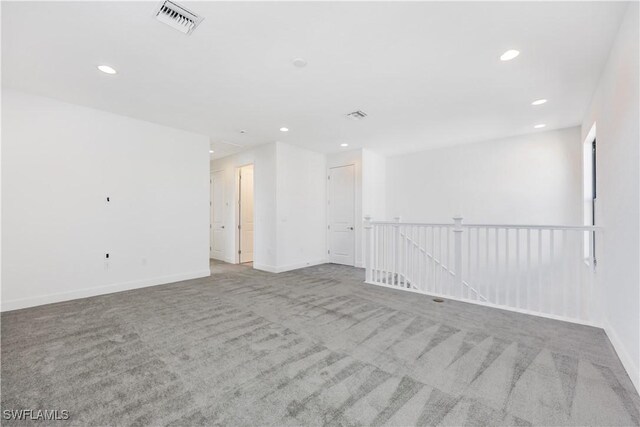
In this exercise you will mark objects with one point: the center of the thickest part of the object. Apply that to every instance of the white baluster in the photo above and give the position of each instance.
(433, 258)
(421, 250)
(487, 276)
(540, 270)
(528, 281)
(467, 289)
(368, 262)
(496, 262)
(395, 280)
(407, 255)
(592, 293)
(383, 253)
(457, 249)
(565, 274)
(506, 267)
(377, 253)
(478, 263)
(518, 268)
(552, 266)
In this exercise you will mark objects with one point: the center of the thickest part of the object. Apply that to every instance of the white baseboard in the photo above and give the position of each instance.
(17, 304)
(265, 267)
(629, 364)
(300, 265)
(290, 267)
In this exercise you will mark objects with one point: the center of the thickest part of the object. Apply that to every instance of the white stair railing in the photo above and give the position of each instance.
(543, 270)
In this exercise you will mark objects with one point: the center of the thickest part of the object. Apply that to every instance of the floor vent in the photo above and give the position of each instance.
(177, 17)
(357, 115)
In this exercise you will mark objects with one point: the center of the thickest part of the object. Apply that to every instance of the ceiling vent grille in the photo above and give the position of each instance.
(357, 115)
(177, 17)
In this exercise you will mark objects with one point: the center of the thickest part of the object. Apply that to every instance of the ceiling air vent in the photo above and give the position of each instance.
(177, 17)
(357, 115)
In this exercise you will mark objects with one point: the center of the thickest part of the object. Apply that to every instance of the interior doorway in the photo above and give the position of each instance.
(590, 192)
(245, 214)
(341, 207)
(217, 228)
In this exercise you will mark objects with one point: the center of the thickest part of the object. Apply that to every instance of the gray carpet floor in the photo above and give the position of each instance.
(309, 347)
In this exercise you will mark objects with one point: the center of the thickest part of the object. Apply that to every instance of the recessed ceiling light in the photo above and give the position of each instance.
(300, 62)
(107, 69)
(284, 129)
(509, 55)
(539, 102)
(211, 151)
(344, 145)
(540, 126)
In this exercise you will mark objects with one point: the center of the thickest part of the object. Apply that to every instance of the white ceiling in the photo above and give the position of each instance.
(428, 74)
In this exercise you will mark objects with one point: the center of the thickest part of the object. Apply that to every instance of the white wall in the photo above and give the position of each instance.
(614, 110)
(301, 207)
(530, 179)
(374, 183)
(264, 208)
(59, 163)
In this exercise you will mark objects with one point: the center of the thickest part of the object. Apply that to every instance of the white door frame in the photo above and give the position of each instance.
(211, 214)
(236, 216)
(355, 210)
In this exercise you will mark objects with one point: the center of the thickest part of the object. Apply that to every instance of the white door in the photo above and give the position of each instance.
(341, 206)
(246, 214)
(217, 215)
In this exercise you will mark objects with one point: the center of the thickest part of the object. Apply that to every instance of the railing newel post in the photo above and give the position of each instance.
(368, 258)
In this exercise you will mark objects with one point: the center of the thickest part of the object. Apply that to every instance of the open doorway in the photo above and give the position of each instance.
(245, 214)
(216, 227)
(590, 191)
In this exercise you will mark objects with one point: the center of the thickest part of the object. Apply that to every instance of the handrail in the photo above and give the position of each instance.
(410, 223)
(511, 226)
(535, 227)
